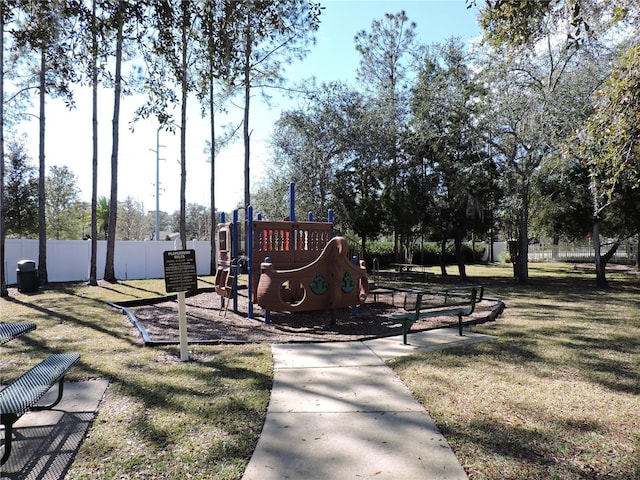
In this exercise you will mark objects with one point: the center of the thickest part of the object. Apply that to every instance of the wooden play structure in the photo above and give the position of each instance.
(288, 245)
(292, 266)
(331, 280)
(226, 272)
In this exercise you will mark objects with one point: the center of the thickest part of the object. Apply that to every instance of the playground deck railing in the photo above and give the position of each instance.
(288, 245)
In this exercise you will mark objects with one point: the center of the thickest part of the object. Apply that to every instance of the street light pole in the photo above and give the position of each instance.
(157, 150)
(158, 184)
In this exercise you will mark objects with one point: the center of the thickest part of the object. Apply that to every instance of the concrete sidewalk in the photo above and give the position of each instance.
(338, 412)
(45, 442)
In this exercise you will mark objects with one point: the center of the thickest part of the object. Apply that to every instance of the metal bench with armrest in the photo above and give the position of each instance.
(9, 331)
(23, 394)
(455, 301)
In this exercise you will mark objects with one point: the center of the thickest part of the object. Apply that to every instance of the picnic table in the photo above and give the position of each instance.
(454, 301)
(404, 267)
(412, 270)
(23, 393)
(9, 331)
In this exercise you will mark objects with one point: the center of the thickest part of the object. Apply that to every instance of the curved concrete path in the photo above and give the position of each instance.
(337, 411)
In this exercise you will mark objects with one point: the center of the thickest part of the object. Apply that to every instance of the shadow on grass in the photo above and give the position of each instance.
(130, 286)
(537, 451)
(75, 319)
(210, 389)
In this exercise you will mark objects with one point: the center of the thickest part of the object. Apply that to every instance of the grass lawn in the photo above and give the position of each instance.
(161, 418)
(557, 395)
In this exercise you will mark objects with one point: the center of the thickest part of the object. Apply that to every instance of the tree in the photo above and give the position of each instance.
(383, 72)
(216, 53)
(45, 28)
(133, 223)
(516, 23)
(271, 197)
(20, 201)
(538, 99)
(164, 219)
(267, 36)
(561, 199)
(609, 146)
(309, 142)
(568, 27)
(124, 18)
(198, 220)
(63, 209)
(448, 107)
(324, 147)
(173, 58)
(93, 74)
(93, 43)
(102, 217)
(361, 171)
(5, 16)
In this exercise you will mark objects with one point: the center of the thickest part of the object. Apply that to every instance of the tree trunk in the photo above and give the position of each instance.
(247, 100)
(443, 254)
(600, 259)
(93, 274)
(522, 260)
(42, 220)
(460, 258)
(183, 133)
(214, 254)
(109, 270)
(601, 275)
(3, 284)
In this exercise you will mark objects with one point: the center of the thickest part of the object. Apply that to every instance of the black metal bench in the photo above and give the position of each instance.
(455, 301)
(9, 331)
(24, 393)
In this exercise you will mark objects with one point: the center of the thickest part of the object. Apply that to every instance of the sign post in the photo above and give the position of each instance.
(180, 276)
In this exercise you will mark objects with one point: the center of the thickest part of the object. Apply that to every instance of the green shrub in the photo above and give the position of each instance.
(383, 251)
(430, 254)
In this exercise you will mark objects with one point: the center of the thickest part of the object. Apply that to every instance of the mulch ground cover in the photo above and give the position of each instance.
(208, 322)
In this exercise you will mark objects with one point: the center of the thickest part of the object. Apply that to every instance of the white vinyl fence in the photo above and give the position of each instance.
(69, 260)
(580, 252)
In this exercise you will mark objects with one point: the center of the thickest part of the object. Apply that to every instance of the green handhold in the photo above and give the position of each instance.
(319, 286)
(347, 283)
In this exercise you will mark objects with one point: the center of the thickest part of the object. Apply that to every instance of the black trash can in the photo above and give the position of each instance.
(27, 276)
(243, 264)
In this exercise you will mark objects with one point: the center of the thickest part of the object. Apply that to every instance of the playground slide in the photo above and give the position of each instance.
(331, 281)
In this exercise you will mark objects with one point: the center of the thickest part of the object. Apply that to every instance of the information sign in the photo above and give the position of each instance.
(180, 271)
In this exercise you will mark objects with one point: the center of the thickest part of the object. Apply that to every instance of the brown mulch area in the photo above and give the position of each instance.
(206, 322)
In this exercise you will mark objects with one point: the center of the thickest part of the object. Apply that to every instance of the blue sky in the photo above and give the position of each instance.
(333, 58)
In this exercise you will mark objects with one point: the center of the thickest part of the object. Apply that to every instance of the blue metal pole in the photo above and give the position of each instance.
(354, 310)
(330, 220)
(250, 259)
(292, 202)
(267, 313)
(234, 258)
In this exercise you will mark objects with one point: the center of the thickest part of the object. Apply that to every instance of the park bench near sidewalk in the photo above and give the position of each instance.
(455, 301)
(412, 270)
(9, 331)
(23, 393)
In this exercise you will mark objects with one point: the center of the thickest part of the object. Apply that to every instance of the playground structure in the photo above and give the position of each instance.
(331, 281)
(226, 272)
(292, 266)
